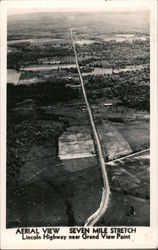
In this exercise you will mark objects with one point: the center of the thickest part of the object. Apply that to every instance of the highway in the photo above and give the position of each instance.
(106, 188)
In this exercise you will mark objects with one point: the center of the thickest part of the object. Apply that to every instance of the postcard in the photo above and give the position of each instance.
(79, 124)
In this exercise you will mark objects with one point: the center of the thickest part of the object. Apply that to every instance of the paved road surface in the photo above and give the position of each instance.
(106, 189)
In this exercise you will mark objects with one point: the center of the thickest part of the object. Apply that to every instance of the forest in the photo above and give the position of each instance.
(49, 92)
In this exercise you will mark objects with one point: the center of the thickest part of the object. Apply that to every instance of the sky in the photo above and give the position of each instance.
(31, 6)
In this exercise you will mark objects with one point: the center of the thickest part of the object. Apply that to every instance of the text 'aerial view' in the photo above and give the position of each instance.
(78, 118)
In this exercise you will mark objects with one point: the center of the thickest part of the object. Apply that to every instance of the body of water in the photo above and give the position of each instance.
(107, 37)
(49, 67)
(36, 40)
(13, 76)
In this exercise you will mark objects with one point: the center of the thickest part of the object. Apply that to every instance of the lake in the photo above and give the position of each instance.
(13, 76)
(36, 40)
(49, 67)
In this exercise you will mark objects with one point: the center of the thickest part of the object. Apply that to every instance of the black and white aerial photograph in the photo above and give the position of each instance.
(78, 118)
